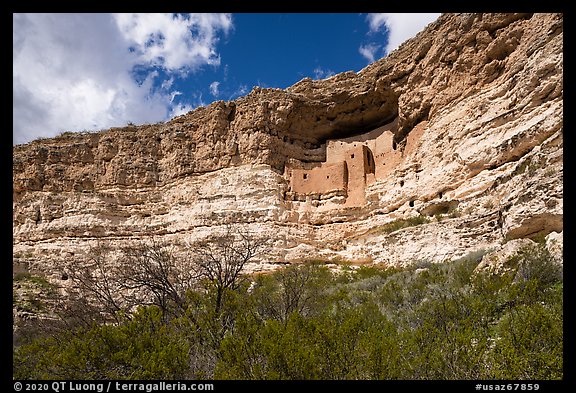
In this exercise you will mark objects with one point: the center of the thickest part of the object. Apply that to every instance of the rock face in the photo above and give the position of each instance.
(463, 124)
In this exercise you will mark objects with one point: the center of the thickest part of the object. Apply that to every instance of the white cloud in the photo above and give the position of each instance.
(73, 72)
(214, 88)
(180, 109)
(167, 84)
(369, 51)
(320, 73)
(400, 27)
(174, 94)
(241, 90)
(167, 40)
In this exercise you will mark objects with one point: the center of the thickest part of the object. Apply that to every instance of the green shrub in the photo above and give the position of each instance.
(529, 344)
(143, 348)
(536, 263)
(402, 223)
(38, 281)
(429, 321)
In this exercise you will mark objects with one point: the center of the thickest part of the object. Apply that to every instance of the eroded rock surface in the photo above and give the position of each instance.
(476, 147)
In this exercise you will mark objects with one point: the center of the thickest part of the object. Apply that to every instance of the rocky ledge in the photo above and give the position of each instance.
(477, 106)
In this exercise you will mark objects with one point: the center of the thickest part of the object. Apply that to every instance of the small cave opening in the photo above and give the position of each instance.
(231, 114)
(354, 128)
(38, 217)
(401, 183)
(411, 203)
(358, 117)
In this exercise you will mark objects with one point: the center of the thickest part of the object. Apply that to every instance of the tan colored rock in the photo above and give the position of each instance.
(555, 245)
(473, 110)
(501, 260)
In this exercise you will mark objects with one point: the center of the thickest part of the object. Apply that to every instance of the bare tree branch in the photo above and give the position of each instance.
(222, 258)
(94, 284)
(153, 273)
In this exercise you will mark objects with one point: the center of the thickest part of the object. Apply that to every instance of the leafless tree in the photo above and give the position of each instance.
(297, 288)
(155, 273)
(94, 290)
(221, 259)
(107, 288)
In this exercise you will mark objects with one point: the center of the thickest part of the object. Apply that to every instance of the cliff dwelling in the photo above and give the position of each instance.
(351, 164)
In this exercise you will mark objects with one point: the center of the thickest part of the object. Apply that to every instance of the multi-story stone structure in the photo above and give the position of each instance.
(351, 164)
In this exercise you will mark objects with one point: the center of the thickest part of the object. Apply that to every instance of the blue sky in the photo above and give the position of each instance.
(75, 72)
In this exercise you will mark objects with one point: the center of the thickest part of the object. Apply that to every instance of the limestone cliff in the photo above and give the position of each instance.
(470, 118)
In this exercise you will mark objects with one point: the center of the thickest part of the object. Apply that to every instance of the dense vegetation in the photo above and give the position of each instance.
(430, 321)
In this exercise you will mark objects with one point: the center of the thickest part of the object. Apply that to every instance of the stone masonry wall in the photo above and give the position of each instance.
(323, 179)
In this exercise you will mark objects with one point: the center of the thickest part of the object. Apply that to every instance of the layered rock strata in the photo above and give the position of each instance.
(464, 124)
